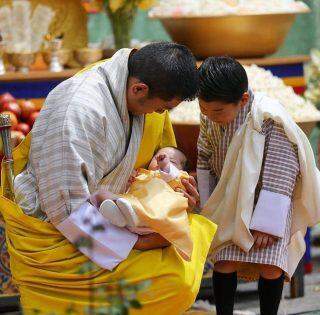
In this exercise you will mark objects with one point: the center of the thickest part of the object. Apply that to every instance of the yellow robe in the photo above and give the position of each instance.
(161, 209)
(46, 266)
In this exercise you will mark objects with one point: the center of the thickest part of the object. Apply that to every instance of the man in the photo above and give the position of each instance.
(92, 127)
(248, 155)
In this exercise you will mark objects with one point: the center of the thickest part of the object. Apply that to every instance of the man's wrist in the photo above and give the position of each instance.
(150, 241)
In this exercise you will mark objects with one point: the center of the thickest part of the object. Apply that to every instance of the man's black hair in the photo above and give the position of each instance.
(168, 69)
(222, 79)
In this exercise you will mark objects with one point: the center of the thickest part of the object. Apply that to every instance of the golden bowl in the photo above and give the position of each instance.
(64, 55)
(22, 61)
(241, 36)
(87, 56)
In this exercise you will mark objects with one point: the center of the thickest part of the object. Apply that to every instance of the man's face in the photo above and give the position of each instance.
(219, 112)
(139, 102)
(222, 113)
(151, 105)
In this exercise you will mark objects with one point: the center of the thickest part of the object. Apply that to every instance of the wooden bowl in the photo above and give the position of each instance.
(64, 56)
(87, 56)
(22, 61)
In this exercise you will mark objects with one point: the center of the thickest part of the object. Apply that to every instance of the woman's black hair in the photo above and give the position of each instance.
(222, 79)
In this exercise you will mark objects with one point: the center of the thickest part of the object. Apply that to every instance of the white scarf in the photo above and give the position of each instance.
(232, 202)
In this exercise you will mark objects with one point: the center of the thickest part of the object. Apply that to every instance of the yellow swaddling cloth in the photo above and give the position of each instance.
(162, 209)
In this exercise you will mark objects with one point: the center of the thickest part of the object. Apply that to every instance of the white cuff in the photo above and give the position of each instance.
(270, 214)
(173, 173)
(110, 246)
(206, 185)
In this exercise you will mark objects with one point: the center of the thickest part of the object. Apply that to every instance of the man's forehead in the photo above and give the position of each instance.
(215, 105)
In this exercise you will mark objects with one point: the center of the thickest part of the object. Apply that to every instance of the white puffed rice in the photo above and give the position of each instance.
(260, 80)
(185, 8)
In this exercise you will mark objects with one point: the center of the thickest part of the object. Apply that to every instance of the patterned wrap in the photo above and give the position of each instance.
(7, 285)
(279, 173)
(82, 139)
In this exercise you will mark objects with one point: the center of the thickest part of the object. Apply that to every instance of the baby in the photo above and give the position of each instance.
(152, 204)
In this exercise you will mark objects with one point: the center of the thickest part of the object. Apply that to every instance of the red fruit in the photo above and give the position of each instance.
(32, 118)
(16, 138)
(6, 98)
(13, 117)
(27, 108)
(23, 127)
(12, 107)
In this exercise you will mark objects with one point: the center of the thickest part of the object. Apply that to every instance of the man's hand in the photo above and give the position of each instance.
(100, 196)
(262, 240)
(151, 241)
(191, 192)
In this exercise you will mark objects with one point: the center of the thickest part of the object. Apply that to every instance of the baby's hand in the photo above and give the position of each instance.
(131, 180)
(100, 196)
(133, 175)
(163, 162)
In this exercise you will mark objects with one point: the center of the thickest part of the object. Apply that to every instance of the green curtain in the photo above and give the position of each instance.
(304, 35)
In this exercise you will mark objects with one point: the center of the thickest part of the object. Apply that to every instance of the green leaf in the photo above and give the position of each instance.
(102, 311)
(70, 310)
(126, 303)
(135, 304)
(143, 285)
(122, 283)
(85, 242)
(86, 267)
(101, 291)
(118, 310)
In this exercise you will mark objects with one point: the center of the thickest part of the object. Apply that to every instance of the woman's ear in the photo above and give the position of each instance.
(245, 99)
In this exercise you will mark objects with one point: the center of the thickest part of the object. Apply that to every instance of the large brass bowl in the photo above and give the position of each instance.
(241, 36)
(87, 56)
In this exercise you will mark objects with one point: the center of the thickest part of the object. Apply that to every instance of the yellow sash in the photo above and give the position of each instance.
(46, 266)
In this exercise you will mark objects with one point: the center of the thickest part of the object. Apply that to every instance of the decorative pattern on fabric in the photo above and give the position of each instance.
(84, 133)
(7, 285)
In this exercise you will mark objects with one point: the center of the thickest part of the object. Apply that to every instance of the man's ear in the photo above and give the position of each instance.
(245, 99)
(140, 89)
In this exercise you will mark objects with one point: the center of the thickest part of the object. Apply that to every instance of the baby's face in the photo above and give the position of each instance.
(176, 158)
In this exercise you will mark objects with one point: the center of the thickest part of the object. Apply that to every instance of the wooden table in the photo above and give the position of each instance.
(37, 84)
(33, 76)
